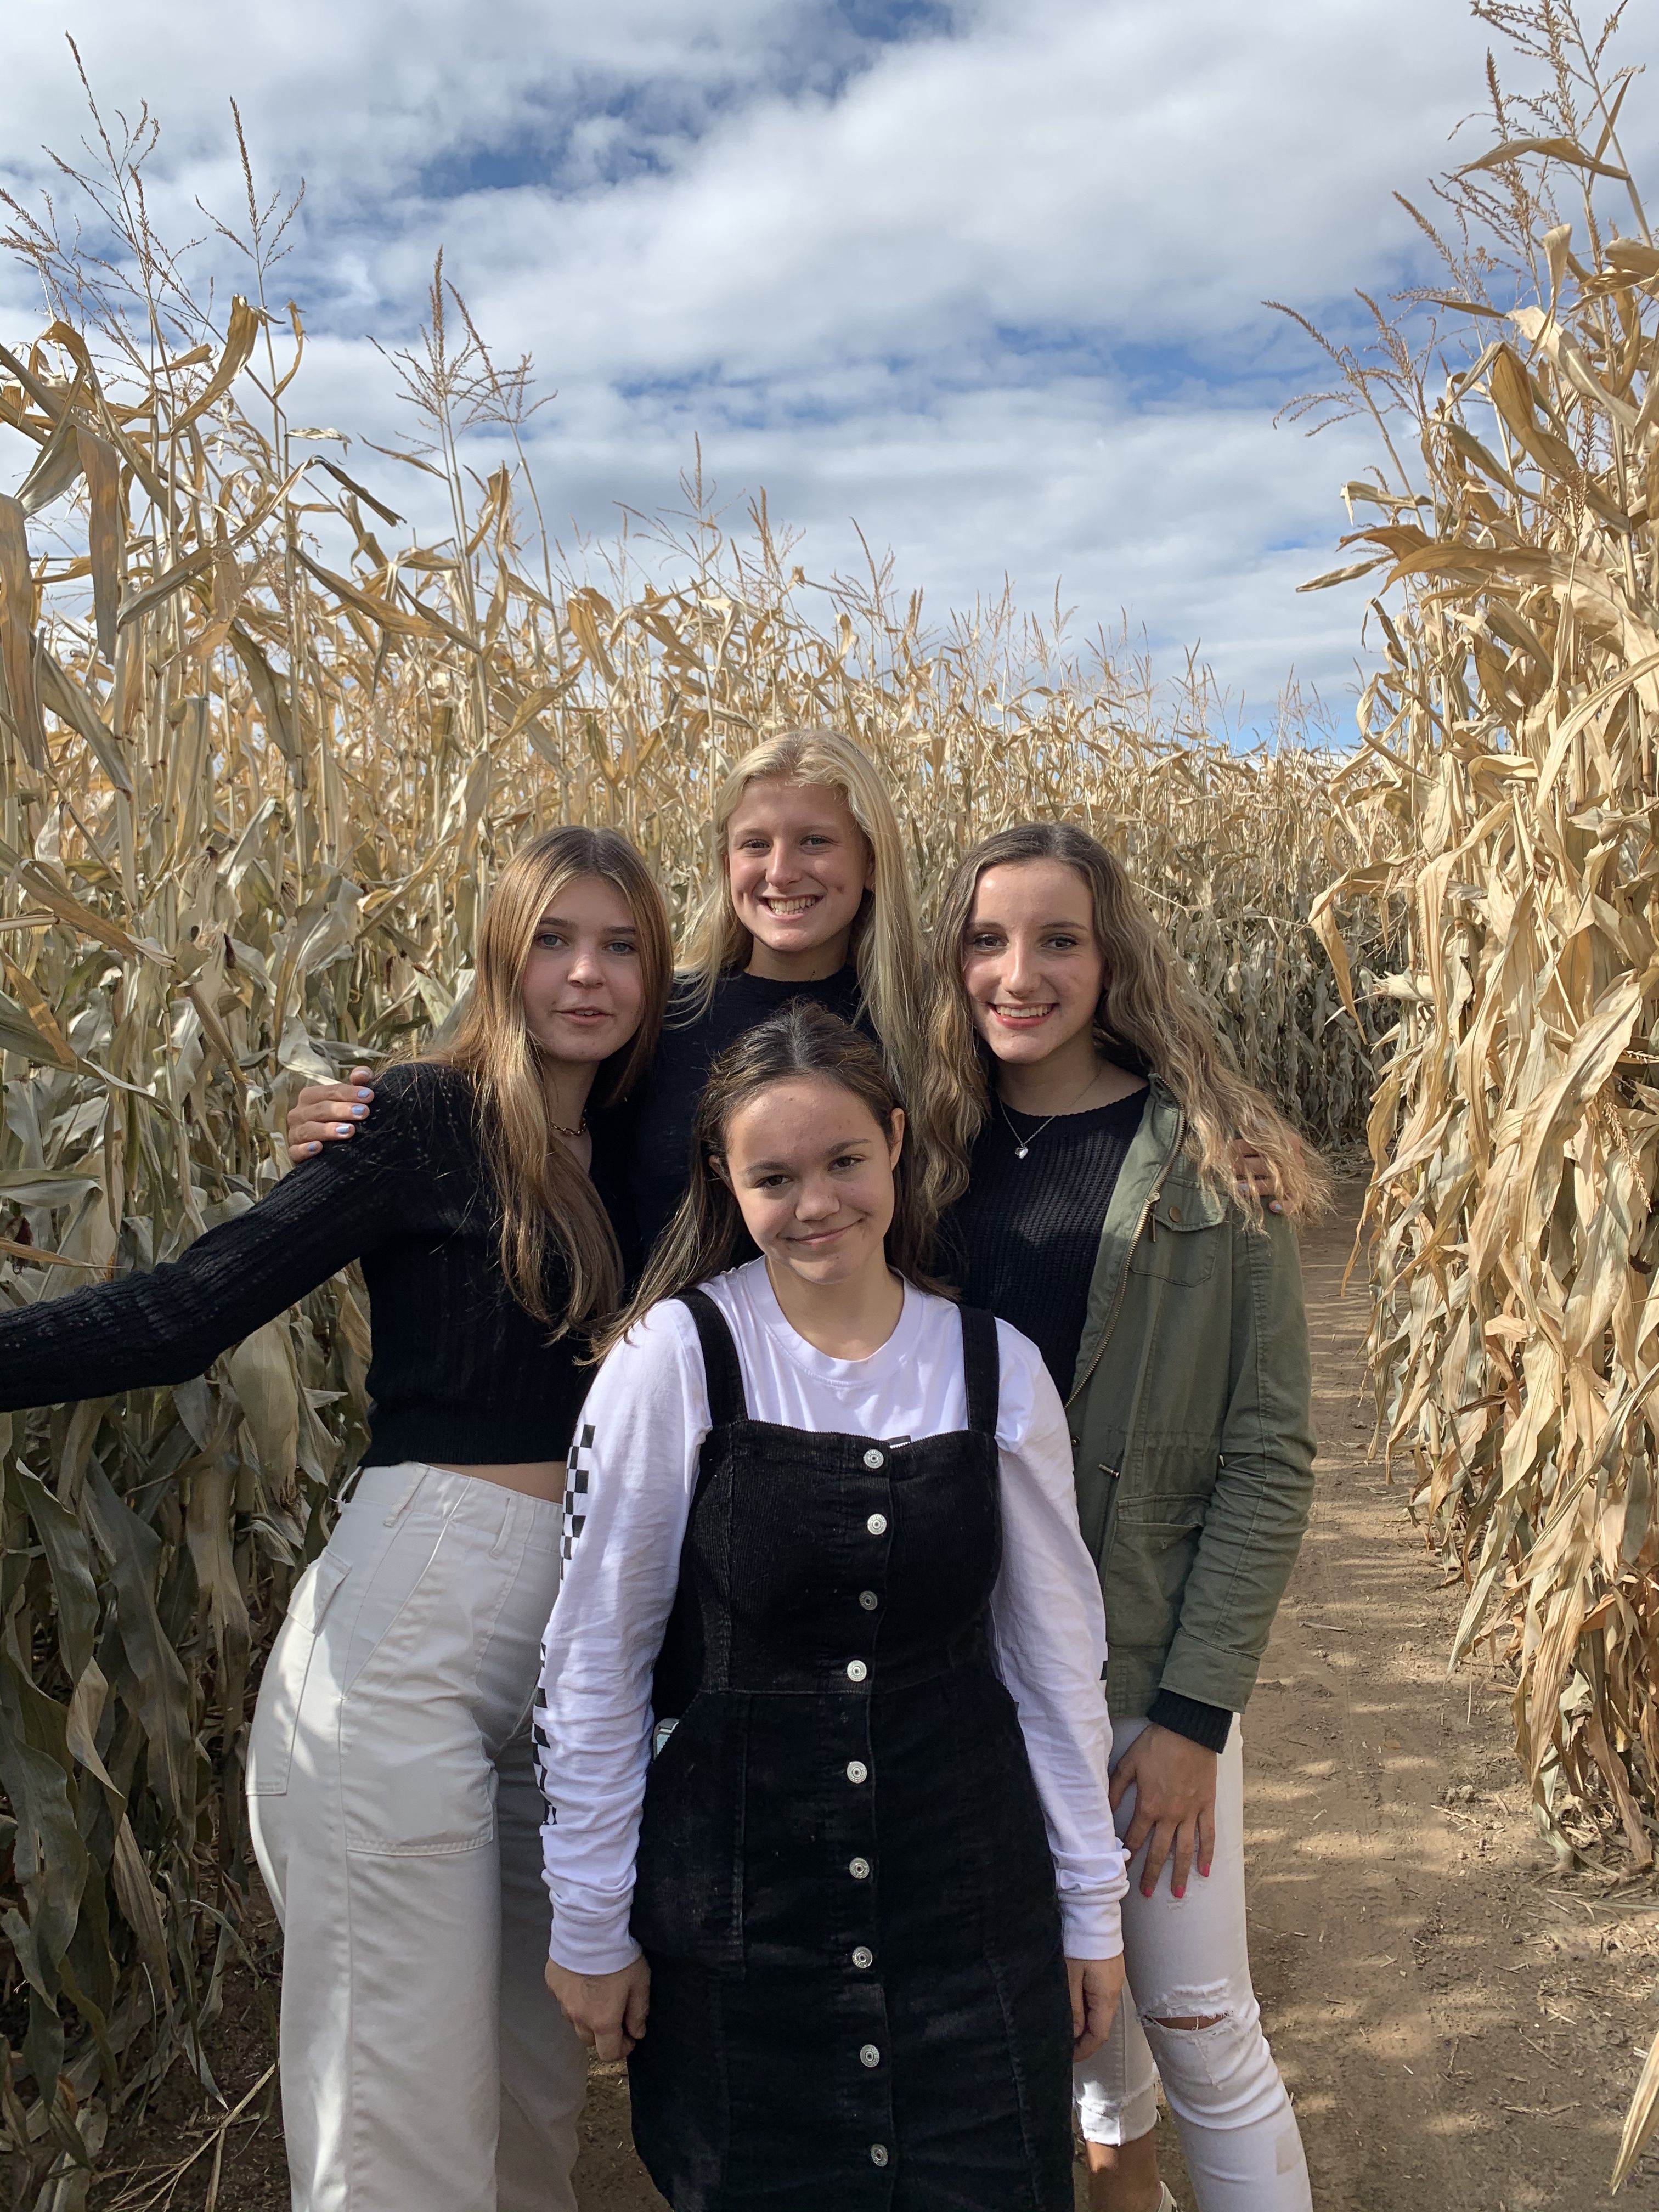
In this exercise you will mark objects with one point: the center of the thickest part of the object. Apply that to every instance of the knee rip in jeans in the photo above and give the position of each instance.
(1190, 2009)
(1211, 2057)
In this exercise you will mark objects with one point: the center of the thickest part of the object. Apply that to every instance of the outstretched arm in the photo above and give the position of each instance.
(172, 1322)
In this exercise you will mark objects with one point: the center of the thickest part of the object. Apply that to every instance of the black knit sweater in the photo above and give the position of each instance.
(1023, 1240)
(461, 1372)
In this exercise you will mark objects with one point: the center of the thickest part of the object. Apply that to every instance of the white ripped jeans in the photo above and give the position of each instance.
(1187, 1959)
(425, 2065)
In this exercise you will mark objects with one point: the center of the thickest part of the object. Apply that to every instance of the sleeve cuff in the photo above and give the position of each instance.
(1091, 1931)
(592, 1950)
(1201, 1723)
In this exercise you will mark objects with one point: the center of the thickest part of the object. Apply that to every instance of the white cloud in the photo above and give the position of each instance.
(992, 287)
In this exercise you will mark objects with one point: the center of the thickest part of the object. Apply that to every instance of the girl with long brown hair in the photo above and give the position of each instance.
(809, 899)
(855, 1918)
(391, 1778)
(1084, 1126)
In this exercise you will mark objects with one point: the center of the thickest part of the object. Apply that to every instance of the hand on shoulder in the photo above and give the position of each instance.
(327, 1114)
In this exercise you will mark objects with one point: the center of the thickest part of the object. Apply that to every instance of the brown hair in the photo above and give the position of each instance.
(1149, 1014)
(541, 1191)
(707, 1235)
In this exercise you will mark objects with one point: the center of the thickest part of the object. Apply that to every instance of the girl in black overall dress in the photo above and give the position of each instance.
(872, 1866)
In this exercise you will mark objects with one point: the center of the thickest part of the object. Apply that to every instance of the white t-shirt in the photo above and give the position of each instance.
(632, 1473)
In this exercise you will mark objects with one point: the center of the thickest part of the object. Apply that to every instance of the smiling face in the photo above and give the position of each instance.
(1031, 965)
(583, 990)
(811, 1170)
(798, 866)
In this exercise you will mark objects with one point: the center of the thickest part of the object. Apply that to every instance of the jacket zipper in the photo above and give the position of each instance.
(1110, 1323)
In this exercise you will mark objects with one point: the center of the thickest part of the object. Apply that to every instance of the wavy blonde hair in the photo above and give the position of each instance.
(542, 1194)
(1150, 1013)
(885, 945)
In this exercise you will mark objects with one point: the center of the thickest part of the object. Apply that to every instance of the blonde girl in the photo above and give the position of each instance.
(391, 1787)
(810, 900)
(1082, 1123)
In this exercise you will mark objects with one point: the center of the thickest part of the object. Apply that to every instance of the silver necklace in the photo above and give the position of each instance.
(1023, 1145)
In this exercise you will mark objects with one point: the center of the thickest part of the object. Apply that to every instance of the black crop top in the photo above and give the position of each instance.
(459, 1373)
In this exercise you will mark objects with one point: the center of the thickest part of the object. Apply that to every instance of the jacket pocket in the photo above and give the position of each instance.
(688, 1879)
(1145, 1576)
(1182, 1235)
(281, 1689)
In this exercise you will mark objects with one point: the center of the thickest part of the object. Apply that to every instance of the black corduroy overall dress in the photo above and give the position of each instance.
(844, 1886)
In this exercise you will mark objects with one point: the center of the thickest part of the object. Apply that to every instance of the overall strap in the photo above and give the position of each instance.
(720, 1366)
(982, 1369)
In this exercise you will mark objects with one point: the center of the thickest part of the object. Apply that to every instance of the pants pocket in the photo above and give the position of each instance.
(281, 1690)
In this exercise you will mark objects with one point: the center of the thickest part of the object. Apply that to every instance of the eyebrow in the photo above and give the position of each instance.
(990, 921)
(616, 929)
(787, 1167)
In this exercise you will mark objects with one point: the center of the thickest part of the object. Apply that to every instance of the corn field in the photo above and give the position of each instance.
(1509, 742)
(262, 757)
(262, 747)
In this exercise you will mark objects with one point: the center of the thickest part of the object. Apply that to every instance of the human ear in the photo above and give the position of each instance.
(717, 1161)
(895, 1137)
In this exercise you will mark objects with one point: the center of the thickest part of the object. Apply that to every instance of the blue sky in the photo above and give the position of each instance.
(982, 276)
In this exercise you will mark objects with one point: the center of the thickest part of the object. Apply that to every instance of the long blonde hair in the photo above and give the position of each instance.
(707, 1233)
(1149, 1014)
(541, 1191)
(885, 945)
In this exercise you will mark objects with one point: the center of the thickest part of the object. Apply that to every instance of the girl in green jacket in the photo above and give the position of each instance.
(1081, 1125)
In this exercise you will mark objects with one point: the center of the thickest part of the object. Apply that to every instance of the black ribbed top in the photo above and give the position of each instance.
(1022, 1238)
(459, 1373)
(685, 1051)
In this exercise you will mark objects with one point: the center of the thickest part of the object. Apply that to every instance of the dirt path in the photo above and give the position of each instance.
(1461, 2026)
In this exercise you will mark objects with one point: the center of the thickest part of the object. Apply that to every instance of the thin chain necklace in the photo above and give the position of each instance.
(1023, 1145)
(559, 1129)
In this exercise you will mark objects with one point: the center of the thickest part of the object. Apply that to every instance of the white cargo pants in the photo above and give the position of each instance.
(425, 2067)
(1187, 1959)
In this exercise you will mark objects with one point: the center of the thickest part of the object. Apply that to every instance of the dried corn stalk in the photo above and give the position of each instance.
(1510, 741)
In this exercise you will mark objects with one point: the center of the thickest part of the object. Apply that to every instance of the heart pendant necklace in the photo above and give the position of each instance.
(1023, 1145)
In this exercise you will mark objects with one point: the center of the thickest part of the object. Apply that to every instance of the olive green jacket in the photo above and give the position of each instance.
(1191, 1419)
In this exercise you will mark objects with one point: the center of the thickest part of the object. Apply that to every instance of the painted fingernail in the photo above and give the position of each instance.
(358, 1112)
(365, 1094)
(1179, 1893)
(342, 1129)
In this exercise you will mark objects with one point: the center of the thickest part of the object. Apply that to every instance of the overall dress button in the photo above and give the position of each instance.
(864, 1958)
(868, 1600)
(856, 1670)
(877, 1524)
(872, 1458)
(857, 1771)
(858, 1869)
(878, 2154)
(868, 2055)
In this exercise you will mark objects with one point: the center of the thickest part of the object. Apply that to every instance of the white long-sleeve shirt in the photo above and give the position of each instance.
(633, 1472)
